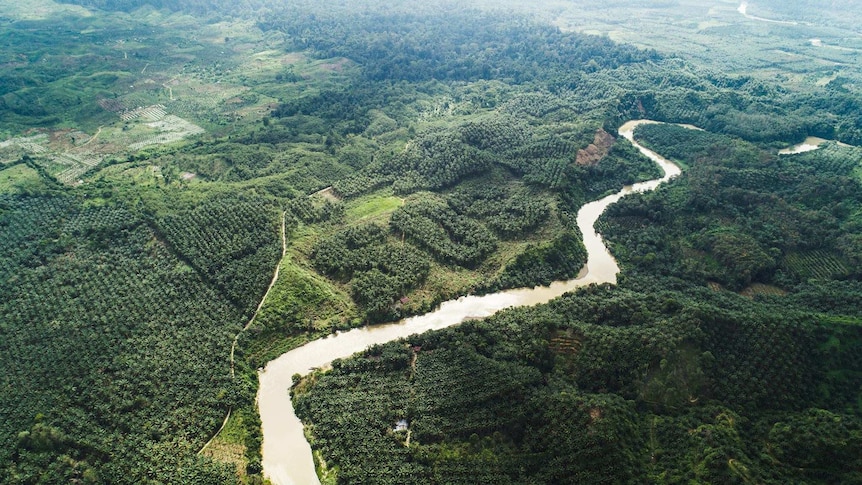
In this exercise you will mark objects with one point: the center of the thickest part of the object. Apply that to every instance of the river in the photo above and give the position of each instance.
(743, 9)
(287, 456)
(810, 144)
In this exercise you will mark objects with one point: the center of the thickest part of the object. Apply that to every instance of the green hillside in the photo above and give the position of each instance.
(189, 190)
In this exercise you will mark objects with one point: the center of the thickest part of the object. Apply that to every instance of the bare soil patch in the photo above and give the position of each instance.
(595, 151)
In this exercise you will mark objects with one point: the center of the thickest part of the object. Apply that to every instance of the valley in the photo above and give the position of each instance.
(211, 214)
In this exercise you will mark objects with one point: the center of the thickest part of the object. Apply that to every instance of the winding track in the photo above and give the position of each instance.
(251, 320)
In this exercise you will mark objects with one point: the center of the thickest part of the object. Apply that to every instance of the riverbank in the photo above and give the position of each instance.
(287, 457)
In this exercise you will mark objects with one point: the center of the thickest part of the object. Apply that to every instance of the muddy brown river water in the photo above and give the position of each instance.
(287, 458)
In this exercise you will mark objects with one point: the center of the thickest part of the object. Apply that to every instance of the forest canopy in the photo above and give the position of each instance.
(190, 189)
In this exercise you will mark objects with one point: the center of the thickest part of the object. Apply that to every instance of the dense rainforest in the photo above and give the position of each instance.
(160, 161)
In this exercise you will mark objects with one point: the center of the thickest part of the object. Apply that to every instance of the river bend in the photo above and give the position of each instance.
(287, 458)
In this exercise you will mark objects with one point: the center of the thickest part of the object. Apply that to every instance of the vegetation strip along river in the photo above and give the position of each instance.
(287, 457)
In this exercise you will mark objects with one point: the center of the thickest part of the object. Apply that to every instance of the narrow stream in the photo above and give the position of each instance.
(287, 455)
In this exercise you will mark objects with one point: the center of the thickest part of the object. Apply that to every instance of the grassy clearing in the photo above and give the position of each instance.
(19, 178)
(312, 295)
(442, 283)
(300, 307)
(506, 252)
(229, 445)
(302, 243)
(145, 176)
(373, 207)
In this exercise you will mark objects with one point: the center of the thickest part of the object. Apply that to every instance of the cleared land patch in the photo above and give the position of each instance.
(373, 207)
(18, 177)
(761, 289)
(168, 130)
(11, 150)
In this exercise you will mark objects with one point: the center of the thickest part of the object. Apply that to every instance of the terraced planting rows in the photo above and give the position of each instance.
(566, 344)
(150, 113)
(819, 264)
(78, 165)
